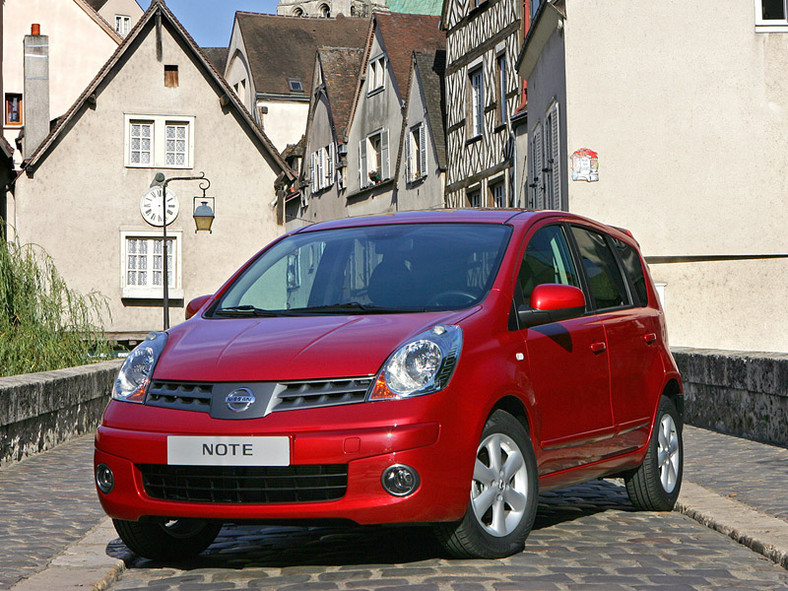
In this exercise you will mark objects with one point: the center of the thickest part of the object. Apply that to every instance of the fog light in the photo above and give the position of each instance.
(105, 480)
(400, 480)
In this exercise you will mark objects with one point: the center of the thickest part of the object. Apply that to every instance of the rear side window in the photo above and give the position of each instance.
(547, 259)
(604, 277)
(634, 269)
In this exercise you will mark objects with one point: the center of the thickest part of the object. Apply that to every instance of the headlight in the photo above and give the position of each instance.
(134, 377)
(422, 365)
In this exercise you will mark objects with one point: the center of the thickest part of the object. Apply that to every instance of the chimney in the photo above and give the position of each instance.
(36, 91)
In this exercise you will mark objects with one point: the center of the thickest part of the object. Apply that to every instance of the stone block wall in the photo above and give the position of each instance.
(739, 393)
(40, 410)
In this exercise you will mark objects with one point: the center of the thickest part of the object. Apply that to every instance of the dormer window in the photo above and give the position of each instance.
(376, 74)
(122, 24)
(295, 85)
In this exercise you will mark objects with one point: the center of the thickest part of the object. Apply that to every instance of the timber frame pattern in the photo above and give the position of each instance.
(480, 34)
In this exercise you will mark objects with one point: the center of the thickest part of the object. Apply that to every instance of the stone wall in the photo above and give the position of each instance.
(739, 393)
(40, 410)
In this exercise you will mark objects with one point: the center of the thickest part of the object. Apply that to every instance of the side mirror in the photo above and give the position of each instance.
(194, 306)
(552, 302)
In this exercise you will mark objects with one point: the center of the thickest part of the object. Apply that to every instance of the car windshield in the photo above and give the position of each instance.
(370, 269)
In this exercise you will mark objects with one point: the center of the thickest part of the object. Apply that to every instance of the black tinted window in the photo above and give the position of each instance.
(604, 276)
(547, 260)
(634, 268)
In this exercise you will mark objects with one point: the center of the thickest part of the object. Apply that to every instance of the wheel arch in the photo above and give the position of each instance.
(515, 407)
(673, 391)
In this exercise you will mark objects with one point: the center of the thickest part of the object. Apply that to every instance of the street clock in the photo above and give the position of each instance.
(151, 207)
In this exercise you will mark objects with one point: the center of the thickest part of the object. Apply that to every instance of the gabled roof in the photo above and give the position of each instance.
(116, 61)
(88, 7)
(283, 47)
(431, 68)
(401, 35)
(341, 67)
(217, 56)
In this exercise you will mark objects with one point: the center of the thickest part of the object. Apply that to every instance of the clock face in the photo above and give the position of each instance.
(151, 207)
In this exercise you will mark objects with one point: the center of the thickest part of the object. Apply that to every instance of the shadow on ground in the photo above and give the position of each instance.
(249, 546)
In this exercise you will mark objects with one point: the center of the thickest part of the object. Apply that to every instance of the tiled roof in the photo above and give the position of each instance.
(402, 34)
(341, 67)
(282, 47)
(217, 56)
(432, 7)
(431, 68)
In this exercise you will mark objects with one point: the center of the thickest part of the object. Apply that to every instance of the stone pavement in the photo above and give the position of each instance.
(585, 537)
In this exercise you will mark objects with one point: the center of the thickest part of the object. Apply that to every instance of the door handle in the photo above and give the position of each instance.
(650, 337)
(598, 347)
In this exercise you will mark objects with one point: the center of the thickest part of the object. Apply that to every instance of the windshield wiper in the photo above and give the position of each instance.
(348, 307)
(248, 310)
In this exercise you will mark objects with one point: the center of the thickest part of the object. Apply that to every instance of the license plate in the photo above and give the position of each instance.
(228, 451)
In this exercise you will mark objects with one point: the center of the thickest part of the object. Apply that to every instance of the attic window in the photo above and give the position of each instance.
(295, 85)
(171, 76)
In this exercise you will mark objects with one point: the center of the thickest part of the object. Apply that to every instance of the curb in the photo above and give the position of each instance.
(83, 565)
(759, 532)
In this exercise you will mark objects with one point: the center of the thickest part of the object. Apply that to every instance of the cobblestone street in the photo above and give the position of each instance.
(585, 537)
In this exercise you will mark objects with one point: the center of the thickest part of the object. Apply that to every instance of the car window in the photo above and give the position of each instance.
(634, 269)
(603, 274)
(396, 267)
(547, 259)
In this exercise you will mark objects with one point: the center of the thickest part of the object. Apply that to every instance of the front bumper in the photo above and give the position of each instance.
(366, 447)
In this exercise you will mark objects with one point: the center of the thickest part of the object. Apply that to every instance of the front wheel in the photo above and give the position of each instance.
(503, 498)
(173, 540)
(655, 485)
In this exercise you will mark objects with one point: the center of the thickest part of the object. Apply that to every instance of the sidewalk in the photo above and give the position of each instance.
(54, 534)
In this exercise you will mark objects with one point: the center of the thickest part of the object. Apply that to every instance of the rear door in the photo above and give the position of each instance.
(618, 289)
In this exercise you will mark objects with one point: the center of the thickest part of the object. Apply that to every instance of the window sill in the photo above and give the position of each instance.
(500, 127)
(780, 28)
(388, 183)
(145, 293)
(375, 91)
(187, 167)
(473, 140)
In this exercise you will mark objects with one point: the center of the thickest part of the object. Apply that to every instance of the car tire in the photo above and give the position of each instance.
(655, 485)
(174, 540)
(504, 494)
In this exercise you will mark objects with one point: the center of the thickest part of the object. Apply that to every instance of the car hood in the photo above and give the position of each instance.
(289, 348)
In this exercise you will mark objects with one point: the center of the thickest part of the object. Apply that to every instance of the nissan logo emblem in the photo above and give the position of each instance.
(239, 400)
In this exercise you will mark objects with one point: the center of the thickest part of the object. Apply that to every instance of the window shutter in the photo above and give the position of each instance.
(409, 156)
(313, 172)
(538, 165)
(384, 154)
(555, 155)
(332, 155)
(363, 180)
(423, 149)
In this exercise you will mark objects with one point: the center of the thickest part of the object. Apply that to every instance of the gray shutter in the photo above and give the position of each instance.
(363, 179)
(423, 149)
(313, 172)
(384, 154)
(332, 156)
(538, 165)
(555, 155)
(408, 150)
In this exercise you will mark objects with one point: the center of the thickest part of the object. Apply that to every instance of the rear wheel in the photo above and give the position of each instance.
(504, 491)
(173, 540)
(655, 485)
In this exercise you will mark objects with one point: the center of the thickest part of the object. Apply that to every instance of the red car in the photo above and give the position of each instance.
(437, 367)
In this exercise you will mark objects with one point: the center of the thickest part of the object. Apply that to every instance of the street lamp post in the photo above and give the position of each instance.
(161, 181)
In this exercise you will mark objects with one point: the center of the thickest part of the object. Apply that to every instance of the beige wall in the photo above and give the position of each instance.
(83, 195)
(120, 7)
(690, 120)
(78, 47)
(285, 121)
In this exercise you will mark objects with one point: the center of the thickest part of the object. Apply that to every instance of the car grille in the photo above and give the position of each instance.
(245, 484)
(314, 394)
(273, 397)
(180, 396)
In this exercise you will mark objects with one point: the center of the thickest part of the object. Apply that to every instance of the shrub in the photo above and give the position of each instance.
(44, 325)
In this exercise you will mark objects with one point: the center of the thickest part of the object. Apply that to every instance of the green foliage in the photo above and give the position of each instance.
(44, 325)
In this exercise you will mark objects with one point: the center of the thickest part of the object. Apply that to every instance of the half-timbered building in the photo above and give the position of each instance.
(483, 39)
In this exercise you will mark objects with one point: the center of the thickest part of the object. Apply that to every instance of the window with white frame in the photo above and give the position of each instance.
(122, 24)
(498, 193)
(417, 152)
(322, 167)
(771, 13)
(474, 197)
(476, 87)
(159, 141)
(142, 273)
(376, 74)
(374, 158)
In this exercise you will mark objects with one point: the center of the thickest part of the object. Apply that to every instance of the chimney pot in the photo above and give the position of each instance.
(35, 29)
